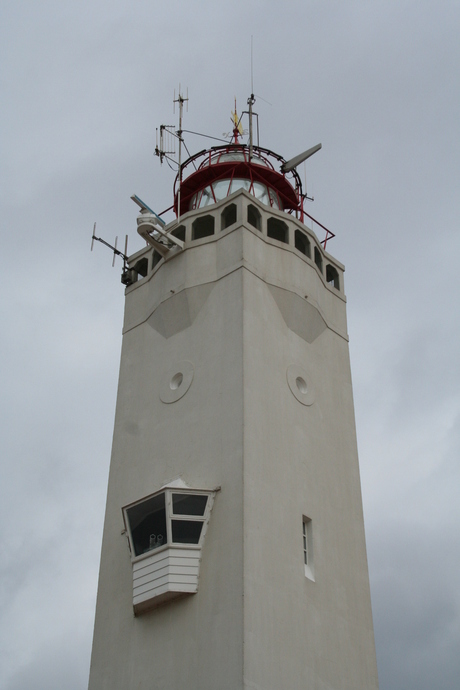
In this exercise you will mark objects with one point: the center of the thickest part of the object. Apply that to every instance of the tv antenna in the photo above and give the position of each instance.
(167, 142)
(168, 134)
(116, 252)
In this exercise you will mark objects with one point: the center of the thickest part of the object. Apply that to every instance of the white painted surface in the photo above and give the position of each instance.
(256, 620)
(171, 569)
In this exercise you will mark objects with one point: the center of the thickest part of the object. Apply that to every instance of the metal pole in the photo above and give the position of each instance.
(181, 102)
(251, 101)
(180, 99)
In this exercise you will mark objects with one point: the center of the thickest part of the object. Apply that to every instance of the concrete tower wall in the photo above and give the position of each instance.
(301, 460)
(251, 316)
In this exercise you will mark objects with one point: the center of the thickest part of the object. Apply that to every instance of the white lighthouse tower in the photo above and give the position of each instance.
(233, 553)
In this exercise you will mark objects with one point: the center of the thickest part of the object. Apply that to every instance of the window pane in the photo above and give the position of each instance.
(240, 184)
(258, 161)
(221, 189)
(203, 198)
(186, 531)
(231, 157)
(261, 193)
(189, 504)
(147, 521)
(274, 198)
(206, 197)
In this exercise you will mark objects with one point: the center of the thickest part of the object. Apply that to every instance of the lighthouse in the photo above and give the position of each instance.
(233, 553)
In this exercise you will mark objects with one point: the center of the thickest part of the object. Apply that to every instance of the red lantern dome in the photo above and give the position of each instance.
(222, 170)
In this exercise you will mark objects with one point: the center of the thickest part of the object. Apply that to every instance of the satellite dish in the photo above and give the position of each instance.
(294, 162)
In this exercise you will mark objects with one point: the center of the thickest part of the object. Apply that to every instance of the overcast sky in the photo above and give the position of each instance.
(83, 87)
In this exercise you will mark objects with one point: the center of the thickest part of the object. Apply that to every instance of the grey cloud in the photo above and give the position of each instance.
(85, 85)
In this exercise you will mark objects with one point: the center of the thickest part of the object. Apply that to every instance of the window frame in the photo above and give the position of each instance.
(170, 516)
(307, 543)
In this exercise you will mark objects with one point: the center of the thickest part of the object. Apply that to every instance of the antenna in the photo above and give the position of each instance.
(180, 100)
(93, 237)
(305, 196)
(116, 252)
(167, 142)
(252, 70)
(251, 101)
(297, 160)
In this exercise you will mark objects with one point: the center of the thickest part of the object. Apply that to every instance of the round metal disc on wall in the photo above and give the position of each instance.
(300, 384)
(176, 382)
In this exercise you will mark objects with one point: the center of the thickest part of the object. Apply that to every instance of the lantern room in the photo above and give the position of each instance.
(218, 172)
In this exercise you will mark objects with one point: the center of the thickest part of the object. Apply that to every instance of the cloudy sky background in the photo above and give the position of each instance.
(84, 85)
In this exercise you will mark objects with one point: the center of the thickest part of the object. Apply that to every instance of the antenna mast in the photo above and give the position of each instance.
(180, 100)
(251, 101)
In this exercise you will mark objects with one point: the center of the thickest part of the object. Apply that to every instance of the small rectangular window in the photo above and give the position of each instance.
(277, 230)
(307, 534)
(189, 504)
(179, 233)
(254, 217)
(186, 531)
(332, 276)
(156, 258)
(318, 259)
(228, 216)
(302, 243)
(202, 227)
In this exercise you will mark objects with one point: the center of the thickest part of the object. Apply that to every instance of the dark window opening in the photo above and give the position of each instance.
(179, 233)
(308, 548)
(332, 276)
(141, 267)
(254, 217)
(277, 230)
(189, 504)
(202, 227)
(147, 522)
(305, 543)
(156, 257)
(228, 216)
(318, 259)
(186, 531)
(302, 243)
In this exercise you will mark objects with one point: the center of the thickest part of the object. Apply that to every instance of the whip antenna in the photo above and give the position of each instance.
(252, 69)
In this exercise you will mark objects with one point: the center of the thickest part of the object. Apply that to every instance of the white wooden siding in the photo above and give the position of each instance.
(165, 575)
